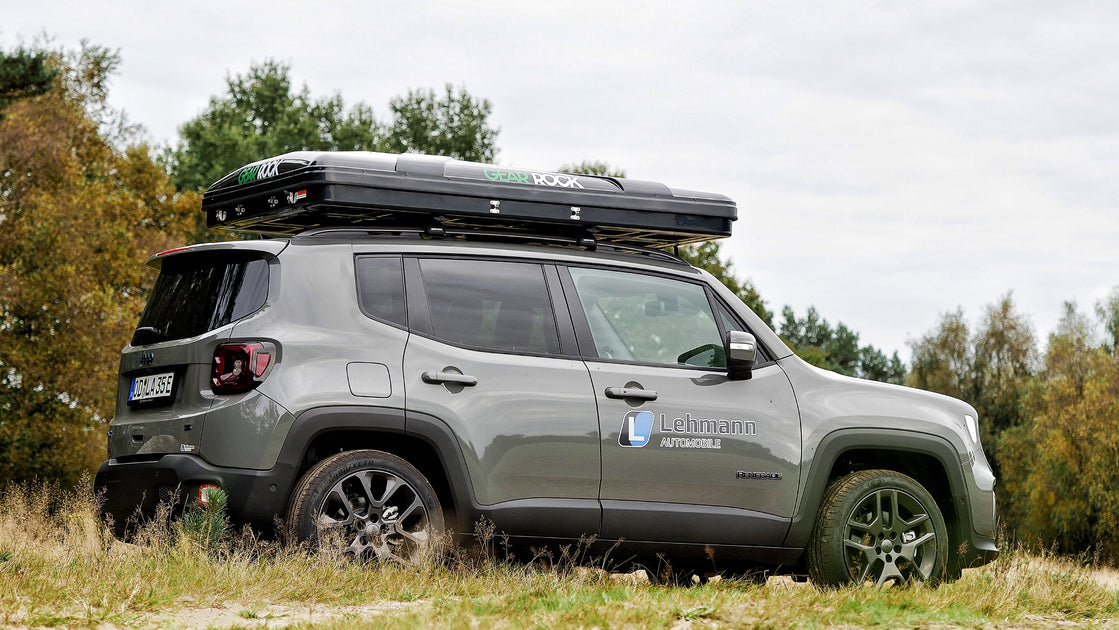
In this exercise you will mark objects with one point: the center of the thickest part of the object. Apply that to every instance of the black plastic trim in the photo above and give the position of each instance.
(546, 518)
(256, 497)
(834, 444)
(690, 524)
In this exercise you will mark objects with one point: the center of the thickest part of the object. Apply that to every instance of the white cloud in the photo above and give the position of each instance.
(891, 161)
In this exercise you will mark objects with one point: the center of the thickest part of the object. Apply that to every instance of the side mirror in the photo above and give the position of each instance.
(742, 351)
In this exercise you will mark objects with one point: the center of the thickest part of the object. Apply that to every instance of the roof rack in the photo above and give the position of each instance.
(586, 241)
(295, 192)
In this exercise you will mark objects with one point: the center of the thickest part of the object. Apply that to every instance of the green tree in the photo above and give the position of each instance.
(260, 115)
(942, 359)
(1108, 310)
(837, 349)
(24, 74)
(77, 219)
(991, 369)
(1004, 359)
(593, 167)
(874, 366)
(1060, 466)
(455, 125)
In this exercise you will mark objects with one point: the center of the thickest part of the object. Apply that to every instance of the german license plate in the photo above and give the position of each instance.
(151, 387)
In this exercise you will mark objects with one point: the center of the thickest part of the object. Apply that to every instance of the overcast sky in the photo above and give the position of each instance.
(891, 161)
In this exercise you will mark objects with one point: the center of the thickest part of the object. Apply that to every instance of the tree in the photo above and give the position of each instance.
(593, 167)
(1108, 310)
(992, 370)
(24, 74)
(874, 366)
(837, 349)
(1060, 466)
(942, 359)
(260, 116)
(1004, 358)
(455, 125)
(77, 219)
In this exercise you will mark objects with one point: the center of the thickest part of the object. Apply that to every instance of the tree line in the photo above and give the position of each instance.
(1048, 417)
(83, 203)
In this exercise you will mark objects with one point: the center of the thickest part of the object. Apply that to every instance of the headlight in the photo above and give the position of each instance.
(972, 427)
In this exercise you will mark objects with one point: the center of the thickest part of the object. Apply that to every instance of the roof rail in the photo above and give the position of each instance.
(584, 241)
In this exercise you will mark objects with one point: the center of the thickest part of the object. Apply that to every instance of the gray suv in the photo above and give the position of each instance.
(422, 343)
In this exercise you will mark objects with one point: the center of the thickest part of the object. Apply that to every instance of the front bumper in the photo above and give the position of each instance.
(132, 490)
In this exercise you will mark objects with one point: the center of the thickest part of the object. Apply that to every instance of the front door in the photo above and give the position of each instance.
(687, 454)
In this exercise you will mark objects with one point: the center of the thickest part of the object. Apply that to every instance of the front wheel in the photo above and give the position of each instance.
(877, 526)
(367, 505)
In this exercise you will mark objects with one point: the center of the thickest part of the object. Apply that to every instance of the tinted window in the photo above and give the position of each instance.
(196, 293)
(649, 319)
(490, 305)
(380, 288)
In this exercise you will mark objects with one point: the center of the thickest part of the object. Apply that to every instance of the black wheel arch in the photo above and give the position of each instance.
(424, 441)
(929, 459)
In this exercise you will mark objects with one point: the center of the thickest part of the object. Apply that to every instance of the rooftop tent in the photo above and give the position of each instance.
(298, 191)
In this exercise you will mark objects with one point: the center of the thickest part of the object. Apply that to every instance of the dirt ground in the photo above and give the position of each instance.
(235, 614)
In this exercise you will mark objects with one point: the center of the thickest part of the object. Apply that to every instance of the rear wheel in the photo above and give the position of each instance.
(878, 526)
(366, 505)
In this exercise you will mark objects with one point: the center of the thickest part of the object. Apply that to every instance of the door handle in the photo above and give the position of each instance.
(631, 392)
(439, 378)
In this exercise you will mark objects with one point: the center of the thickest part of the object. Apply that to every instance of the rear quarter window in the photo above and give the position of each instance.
(380, 288)
(197, 293)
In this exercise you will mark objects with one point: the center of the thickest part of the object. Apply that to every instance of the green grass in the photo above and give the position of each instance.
(60, 568)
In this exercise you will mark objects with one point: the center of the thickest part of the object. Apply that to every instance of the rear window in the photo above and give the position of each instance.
(195, 294)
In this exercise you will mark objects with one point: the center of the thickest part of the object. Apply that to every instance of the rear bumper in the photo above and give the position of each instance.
(132, 490)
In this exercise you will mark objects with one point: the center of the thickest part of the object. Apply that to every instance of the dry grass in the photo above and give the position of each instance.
(59, 568)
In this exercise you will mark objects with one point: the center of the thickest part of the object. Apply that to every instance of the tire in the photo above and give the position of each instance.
(877, 526)
(366, 505)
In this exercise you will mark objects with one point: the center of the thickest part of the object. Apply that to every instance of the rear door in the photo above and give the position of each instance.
(687, 454)
(491, 360)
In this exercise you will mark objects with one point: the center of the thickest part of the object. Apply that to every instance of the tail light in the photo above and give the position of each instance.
(239, 367)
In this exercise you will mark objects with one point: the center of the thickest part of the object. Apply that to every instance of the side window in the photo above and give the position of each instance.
(380, 288)
(649, 319)
(490, 305)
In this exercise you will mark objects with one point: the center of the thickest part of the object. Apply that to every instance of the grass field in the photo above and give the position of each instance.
(59, 568)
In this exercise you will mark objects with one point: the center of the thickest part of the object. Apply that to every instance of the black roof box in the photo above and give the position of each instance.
(298, 191)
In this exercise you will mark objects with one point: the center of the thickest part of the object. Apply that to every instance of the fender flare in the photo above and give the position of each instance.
(840, 441)
(312, 423)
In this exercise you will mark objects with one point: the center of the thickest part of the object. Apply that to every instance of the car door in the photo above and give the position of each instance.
(688, 455)
(491, 361)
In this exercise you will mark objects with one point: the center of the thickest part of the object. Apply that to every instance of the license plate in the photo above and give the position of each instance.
(151, 386)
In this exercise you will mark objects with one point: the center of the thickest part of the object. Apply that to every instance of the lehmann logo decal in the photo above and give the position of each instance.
(697, 432)
(637, 428)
